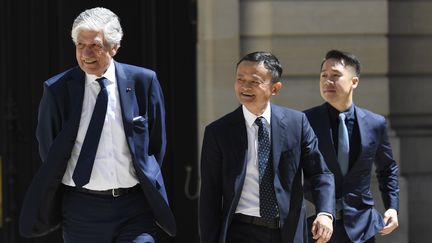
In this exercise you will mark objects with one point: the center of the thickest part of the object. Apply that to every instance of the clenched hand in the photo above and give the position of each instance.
(322, 228)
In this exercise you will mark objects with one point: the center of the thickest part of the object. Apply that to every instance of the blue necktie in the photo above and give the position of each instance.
(84, 166)
(343, 145)
(267, 197)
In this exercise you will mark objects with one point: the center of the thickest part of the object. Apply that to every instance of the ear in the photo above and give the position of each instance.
(113, 50)
(355, 80)
(276, 87)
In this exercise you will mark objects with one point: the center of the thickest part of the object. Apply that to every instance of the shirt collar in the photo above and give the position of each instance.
(250, 117)
(349, 113)
(109, 74)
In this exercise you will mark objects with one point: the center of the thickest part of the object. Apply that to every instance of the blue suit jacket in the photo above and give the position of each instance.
(223, 170)
(59, 116)
(361, 220)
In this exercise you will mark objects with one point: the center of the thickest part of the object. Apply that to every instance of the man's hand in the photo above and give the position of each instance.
(322, 228)
(391, 221)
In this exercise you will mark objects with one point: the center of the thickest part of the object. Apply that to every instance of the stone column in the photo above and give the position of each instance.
(410, 74)
(218, 52)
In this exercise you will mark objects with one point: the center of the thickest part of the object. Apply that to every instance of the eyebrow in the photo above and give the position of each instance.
(332, 70)
(92, 41)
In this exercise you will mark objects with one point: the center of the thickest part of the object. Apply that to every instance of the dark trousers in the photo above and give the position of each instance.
(239, 232)
(89, 218)
(339, 234)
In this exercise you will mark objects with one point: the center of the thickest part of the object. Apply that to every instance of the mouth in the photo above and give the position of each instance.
(329, 91)
(247, 95)
(88, 62)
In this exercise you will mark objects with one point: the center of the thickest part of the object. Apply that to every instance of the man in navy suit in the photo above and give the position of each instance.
(123, 195)
(366, 143)
(231, 204)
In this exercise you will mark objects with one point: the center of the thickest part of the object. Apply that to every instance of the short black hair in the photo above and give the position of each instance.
(271, 63)
(346, 58)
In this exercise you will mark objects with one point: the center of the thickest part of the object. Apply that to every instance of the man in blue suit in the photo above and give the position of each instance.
(252, 164)
(351, 140)
(101, 186)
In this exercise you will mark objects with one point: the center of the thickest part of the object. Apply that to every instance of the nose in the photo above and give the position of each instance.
(87, 51)
(246, 85)
(329, 81)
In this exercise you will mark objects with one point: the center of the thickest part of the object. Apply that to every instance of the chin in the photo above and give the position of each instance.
(93, 72)
(328, 97)
(247, 102)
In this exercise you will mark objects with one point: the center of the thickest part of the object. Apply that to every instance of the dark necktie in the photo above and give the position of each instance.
(343, 145)
(84, 166)
(267, 197)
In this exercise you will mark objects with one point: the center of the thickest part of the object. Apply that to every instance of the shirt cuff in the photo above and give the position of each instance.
(326, 214)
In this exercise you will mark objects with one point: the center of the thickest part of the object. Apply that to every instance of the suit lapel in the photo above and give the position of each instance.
(326, 144)
(126, 89)
(237, 134)
(278, 134)
(363, 125)
(238, 137)
(76, 95)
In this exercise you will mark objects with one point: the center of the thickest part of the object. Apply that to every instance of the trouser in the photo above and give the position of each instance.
(91, 218)
(242, 232)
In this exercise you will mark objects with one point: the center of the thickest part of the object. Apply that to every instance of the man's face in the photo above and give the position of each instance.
(253, 86)
(92, 53)
(337, 82)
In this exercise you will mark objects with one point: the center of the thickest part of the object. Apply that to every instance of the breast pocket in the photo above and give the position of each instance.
(139, 124)
(140, 137)
(368, 152)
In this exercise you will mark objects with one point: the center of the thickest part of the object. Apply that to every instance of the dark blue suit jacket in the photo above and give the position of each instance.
(59, 117)
(361, 220)
(223, 169)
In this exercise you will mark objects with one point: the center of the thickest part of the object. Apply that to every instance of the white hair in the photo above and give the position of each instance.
(99, 19)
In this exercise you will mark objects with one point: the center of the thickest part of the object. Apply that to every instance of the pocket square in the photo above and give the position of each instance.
(138, 119)
(139, 124)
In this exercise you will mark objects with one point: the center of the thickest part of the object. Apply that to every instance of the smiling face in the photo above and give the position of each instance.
(337, 82)
(253, 86)
(93, 54)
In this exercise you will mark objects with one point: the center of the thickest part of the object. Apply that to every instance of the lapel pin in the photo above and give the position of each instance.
(128, 89)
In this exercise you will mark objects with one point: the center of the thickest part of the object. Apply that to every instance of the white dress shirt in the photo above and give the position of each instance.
(249, 198)
(112, 167)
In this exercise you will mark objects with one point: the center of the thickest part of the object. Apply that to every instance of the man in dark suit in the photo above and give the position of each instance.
(350, 148)
(102, 138)
(252, 163)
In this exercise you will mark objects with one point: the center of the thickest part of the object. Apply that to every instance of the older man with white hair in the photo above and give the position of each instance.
(102, 138)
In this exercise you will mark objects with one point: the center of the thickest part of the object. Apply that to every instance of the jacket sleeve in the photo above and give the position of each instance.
(316, 171)
(387, 170)
(156, 116)
(210, 201)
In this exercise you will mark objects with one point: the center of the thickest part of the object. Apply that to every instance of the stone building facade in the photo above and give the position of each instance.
(392, 39)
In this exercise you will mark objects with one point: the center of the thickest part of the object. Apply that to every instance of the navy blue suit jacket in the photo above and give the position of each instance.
(361, 220)
(223, 170)
(59, 116)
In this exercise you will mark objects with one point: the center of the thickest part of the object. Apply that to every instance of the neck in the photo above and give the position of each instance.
(257, 111)
(341, 106)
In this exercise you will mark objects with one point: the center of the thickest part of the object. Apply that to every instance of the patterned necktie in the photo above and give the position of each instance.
(343, 145)
(267, 197)
(84, 166)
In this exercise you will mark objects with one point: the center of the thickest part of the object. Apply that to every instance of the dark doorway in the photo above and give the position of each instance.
(36, 44)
